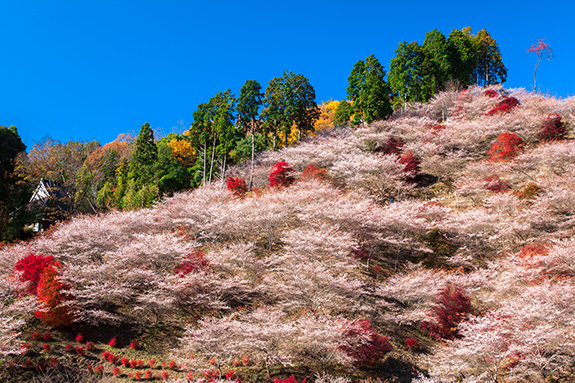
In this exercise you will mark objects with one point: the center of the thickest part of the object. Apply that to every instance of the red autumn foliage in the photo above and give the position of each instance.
(452, 307)
(46, 347)
(89, 368)
(533, 249)
(99, 369)
(148, 374)
(80, 350)
(491, 93)
(411, 343)
(507, 146)
(124, 361)
(366, 346)
(194, 261)
(212, 374)
(36, 335)
(138, 375)
(133, 363)
(165, 375)
(411, 165)
(151, 363)
(237, 186)
(112, 342)
(89, 346)
(494, 183)
(507, 104)
(116, 371)
(245, 360)
(553, 129)
(173, 365)
(134, 345)
(312, 172)
(393, 145)
(291, 379)
(69, 347)
(32, 267)
(53, 362)
(47, 337)
(80, 338)
(281, 175)
(52, 298)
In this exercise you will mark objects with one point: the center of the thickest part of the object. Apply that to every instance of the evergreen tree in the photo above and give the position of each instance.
(489, 68)
(343, 113)
(369, 92)
(142, 164)
(462, 57)
(289, 103)
(14, 192)
(249, 103)
(436, 66)
(405, 72)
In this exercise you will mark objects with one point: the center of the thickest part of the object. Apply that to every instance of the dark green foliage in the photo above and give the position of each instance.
(436, 66)
(406, 72)
(144, 157)
(343, 113)
(14, 192)
(369, 92)
(289, 100)
(461, 57)
(171, 175)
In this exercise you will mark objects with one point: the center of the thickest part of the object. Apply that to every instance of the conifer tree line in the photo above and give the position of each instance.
(129, 172)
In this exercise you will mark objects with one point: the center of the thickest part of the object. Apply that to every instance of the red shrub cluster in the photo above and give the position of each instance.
(80, 338)
(36, 335)
(173, 365)
(411, 343)
(194, 261)
(553, 129)
(32, 267)
(47, 337)
(393, 145)
(507, 146)
(533, 249)
(112, 342)
(124, 361)
(494, 183)
(491, 93)
(411, 163)
(364, 344)
(116, 371)
(291, 379)
(80, 350)
(312, 172)
(134, 345)
(281, 175)
(452, 307)
(46, 347)
(212, 374)
(237, 186)
(51, 296)
(503, 106)
(89, 346)
(69, 347)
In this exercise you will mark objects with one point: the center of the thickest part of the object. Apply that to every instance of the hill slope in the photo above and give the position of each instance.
(456, 234)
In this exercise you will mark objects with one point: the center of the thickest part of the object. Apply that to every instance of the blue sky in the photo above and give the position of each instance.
(85, 70)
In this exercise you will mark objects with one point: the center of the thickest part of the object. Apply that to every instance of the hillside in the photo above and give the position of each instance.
(435, 246)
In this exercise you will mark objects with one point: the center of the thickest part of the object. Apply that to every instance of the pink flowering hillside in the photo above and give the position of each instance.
(449, 257)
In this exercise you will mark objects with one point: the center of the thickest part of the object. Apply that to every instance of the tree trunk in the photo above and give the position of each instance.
(213, 155)
(224, 169)
(205, 154)
(253, 155)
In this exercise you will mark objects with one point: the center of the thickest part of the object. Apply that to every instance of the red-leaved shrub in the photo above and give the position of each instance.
(503, 106)
(89, 346)
(116, 371)
(411, 163)
(507, 146)
(291, 379)
(411, 343)
(50, 294)
(363, 343)
(112, 342)
(451, 307)
(36, 335)
(393, 145)
(80, 338)
(80, 350)
(312, 172)
(491, 93)
(69, 347)
(553, 129)
(237, 186)
(134, 345)
(47, 337)
(194, 261)
(281, 175)
(494, 183)
(32, 267)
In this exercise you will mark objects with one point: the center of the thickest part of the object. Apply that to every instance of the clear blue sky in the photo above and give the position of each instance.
(86, 70)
